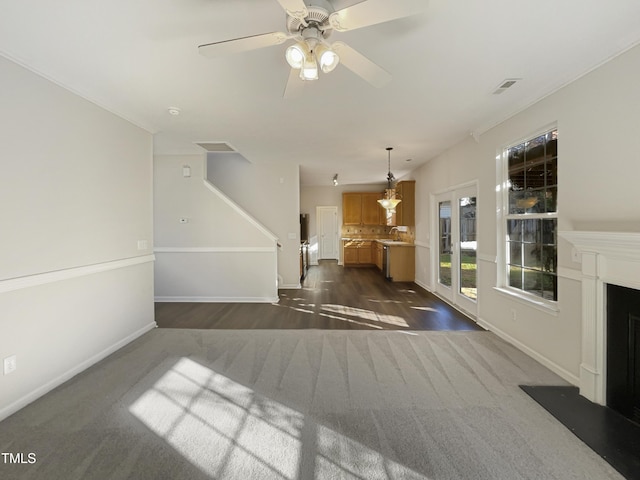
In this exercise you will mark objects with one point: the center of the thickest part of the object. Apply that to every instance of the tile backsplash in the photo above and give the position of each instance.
(374, 231)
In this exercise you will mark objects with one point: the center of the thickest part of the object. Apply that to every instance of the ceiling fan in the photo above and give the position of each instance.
(310, 23)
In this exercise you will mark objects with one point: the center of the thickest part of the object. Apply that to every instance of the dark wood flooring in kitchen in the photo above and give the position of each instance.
(331, 297)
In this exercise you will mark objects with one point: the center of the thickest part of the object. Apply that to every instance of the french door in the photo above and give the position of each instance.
(455, 255)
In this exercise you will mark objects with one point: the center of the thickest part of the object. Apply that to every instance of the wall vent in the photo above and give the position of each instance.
(506, 83)
(216, 146)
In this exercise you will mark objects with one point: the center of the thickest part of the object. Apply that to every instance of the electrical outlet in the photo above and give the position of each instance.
(513, 314)
(10, 364)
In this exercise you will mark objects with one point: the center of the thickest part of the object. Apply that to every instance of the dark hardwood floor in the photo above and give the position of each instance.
(332, 297)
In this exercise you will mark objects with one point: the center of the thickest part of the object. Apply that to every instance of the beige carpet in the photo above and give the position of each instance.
(190, 404)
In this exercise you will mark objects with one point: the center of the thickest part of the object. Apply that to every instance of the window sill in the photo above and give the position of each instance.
(550, 308)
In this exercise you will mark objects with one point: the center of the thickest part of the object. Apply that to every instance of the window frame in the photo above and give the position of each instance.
(503, 217)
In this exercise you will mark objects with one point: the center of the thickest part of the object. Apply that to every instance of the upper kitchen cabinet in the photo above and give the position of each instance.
(406, 210)
(361, 208)
(352, 208)
(371, 210)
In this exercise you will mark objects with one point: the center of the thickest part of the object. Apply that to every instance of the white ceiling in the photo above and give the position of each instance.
(138, 58)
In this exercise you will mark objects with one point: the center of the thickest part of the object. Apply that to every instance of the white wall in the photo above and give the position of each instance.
(598, 119)
(221, 254)
(75, 199)
(270, 193)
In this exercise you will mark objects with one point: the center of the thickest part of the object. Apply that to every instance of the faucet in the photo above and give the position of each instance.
(397, 232)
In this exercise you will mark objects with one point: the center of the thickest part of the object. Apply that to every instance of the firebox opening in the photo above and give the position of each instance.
(623, 351)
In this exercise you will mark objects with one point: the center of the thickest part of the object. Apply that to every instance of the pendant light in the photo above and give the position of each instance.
(389, 201)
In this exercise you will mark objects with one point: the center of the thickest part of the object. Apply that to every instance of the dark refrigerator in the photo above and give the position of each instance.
(304, 227)
(304, 244)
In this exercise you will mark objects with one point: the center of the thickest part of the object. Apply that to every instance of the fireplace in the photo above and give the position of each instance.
(610, 261)
(623, 351)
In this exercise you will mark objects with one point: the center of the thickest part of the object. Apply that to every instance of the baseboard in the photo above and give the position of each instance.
(219, 299)
(56, 382)
(554, 367)
(423, 285)
(290, 286)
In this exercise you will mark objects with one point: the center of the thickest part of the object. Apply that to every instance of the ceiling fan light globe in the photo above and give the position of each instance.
(309, 70)
(329, 60)
(295, 56)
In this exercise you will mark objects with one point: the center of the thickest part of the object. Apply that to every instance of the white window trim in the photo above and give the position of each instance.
(529, 299)
(502, 215)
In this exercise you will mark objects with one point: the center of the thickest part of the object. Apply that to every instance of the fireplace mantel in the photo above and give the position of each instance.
(607, 257)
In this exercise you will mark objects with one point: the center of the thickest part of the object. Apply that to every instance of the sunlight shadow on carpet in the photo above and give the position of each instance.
(229, 431)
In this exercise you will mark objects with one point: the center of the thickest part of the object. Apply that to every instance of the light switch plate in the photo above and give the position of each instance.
(10, 364)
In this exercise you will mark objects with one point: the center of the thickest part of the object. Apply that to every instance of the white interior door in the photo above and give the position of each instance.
(456, 253)
(327, 220)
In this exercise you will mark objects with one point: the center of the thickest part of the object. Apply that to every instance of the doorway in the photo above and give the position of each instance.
(455, 254)
(327, 231)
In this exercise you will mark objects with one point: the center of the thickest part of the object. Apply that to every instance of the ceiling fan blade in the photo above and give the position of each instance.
(242, 44)
(295, 8)
(294, 85)
(361, 65)
(372, 12)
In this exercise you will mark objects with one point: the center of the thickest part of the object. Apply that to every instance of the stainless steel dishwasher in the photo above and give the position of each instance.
(386, 262)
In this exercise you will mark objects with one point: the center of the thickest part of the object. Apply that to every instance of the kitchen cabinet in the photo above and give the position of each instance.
(377, 249)
(371, 209)
(364, 254)
(406, 210)
(350, 255)
(402, 263)
(361, 208)
(351, 208)
(357, 252)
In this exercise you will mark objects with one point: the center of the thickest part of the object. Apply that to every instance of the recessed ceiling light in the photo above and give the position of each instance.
(174, 111)
(408, 159)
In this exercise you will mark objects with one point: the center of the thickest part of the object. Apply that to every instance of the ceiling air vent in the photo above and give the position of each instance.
(216, 146)
(507, 83)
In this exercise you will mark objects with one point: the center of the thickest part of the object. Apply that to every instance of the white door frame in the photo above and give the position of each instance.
(331, 237)
(452, 294)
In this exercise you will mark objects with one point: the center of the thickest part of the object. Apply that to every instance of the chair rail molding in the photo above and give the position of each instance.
(36, 279)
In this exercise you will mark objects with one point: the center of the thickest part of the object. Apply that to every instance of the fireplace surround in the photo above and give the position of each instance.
(607, 258)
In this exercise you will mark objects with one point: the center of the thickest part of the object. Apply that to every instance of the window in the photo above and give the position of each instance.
(531, 216)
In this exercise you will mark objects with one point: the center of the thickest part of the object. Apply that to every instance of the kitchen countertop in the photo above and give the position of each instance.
(383, 241)
(396, 243)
